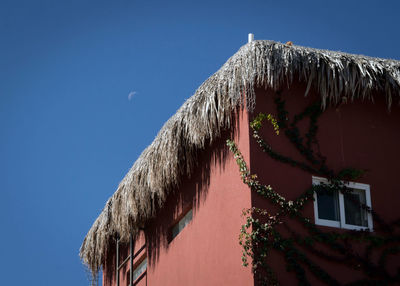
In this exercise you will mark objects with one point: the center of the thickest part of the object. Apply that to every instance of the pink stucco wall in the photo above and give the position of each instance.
(363, 135)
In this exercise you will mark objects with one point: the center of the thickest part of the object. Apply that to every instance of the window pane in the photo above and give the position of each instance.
(354, 213)
(139, 269)
(328, 205)
(182, 223)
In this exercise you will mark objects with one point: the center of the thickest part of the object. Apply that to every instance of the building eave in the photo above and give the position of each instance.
(203, 117)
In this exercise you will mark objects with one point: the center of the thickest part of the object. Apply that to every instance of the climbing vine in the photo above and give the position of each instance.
(264, 231)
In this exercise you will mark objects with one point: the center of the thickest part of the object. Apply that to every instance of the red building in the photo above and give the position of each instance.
(176, 217)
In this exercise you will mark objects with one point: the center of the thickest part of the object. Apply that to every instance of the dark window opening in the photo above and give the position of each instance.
(181, 224)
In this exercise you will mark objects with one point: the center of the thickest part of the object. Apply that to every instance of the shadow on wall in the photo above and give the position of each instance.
(191, 193)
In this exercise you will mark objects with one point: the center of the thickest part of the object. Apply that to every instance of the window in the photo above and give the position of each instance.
(343, 210)
(137, 272)
(140, 269)
(179, 226)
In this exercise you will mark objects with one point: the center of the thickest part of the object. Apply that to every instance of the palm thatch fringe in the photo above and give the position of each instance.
(202, 117)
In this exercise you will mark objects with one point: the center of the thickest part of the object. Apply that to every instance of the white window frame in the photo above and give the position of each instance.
(342, 221)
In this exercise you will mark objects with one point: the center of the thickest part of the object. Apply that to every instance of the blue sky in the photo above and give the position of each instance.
(86, 85)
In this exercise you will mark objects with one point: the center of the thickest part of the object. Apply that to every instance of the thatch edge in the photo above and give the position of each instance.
(202, 117)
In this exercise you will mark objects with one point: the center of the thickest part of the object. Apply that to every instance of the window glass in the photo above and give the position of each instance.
(140, 269)
(328, 205)
(181, 224)
(354, 212)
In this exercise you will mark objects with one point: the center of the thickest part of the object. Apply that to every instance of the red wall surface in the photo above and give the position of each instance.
(362, 135)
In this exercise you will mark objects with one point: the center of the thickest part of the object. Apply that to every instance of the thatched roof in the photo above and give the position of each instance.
(202, 117)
